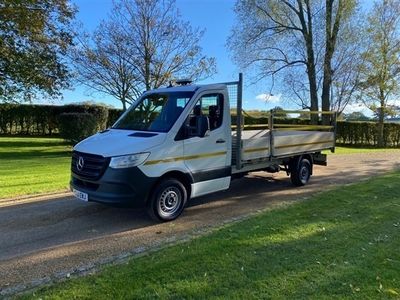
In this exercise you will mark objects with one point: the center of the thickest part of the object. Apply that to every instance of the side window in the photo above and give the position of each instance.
(181, 102)
(210, 105)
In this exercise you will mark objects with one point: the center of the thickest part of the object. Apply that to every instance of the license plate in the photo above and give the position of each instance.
(80, 195)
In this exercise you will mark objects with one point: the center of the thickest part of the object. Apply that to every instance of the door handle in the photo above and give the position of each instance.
(220, 141)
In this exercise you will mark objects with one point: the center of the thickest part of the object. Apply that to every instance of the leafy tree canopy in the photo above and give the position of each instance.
(34, 36)
(356, 116)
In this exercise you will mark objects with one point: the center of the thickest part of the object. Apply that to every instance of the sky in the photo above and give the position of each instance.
(217, 17)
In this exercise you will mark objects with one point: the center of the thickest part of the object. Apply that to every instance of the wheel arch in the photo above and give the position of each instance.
(185, 178)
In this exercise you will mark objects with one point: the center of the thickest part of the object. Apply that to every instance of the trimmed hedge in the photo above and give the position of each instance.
(352, 133)
(44, 120)
(113, 115)
(75, 127)
(33, 120)
(366, 133)
(99, 113)
(28, 119)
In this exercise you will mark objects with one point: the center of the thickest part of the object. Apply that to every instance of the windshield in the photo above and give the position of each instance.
(155, 112)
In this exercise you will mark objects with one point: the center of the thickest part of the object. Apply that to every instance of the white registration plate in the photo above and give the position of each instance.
(80, 195)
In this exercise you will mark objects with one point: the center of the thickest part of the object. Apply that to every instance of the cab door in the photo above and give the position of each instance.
(208, 158)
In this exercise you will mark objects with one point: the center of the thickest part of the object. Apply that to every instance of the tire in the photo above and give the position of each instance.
(167, 200)
(300, 172)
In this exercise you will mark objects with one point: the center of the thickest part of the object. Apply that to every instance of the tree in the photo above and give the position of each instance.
(335, 12)
(390, 112)
(275, 36)
(34, 36)
(346, 62)
(356, 116)
(280, 112)
(101, 62)
(285, 36)
(345, 76)
(380, 71)
(143, 45)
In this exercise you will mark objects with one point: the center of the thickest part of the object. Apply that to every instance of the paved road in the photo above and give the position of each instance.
(46, 238)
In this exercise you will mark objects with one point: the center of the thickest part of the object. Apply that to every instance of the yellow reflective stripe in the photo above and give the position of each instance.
(304, 126)
(304, 144)
(256, 149)
(189, 157)
(153, 162)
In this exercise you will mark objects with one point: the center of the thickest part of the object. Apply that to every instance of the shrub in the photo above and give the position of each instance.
(100, 113)
(113, 115)
(75, 127)
(28, 119)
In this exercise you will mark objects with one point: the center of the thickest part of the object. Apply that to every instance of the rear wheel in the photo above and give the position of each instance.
(168, 200)
(300, 172)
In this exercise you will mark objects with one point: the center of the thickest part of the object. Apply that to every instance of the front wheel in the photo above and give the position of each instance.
(168, 200)
(300, 173)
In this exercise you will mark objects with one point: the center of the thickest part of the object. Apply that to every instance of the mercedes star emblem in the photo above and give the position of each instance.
(80, 163)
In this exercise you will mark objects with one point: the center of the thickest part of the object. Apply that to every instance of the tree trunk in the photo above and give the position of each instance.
(326, 88)
(330, 41)
(147, 54)
(312, 77)
(313, 92)
(147, 72)
(381, 122)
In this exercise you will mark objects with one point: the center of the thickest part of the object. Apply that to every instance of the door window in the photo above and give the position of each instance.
(211, 106)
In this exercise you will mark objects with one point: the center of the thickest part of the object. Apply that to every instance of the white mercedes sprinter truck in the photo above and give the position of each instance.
(177, 143)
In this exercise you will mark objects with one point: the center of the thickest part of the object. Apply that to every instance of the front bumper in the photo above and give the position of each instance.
(117, 187)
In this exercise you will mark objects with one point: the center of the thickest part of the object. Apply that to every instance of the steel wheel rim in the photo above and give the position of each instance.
(304, 174)
(169, 201)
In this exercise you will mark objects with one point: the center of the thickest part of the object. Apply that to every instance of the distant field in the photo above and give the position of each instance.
(33, 165)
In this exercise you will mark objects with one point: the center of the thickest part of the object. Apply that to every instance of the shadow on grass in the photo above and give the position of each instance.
(32, 142)
(26, 148)
(34, 154)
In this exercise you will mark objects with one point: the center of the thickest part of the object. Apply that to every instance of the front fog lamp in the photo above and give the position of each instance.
(128, 161)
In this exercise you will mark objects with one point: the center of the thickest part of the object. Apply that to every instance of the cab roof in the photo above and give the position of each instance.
(189, 88)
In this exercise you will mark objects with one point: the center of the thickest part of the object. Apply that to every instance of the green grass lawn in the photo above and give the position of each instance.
(33, 165)
(340, 244)
(351, 150)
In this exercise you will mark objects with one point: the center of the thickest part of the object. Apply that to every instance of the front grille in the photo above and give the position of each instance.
(84, 184)
(93, 165)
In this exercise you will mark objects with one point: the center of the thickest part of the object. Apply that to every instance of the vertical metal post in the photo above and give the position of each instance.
(334, 123)
(271, 135)
(239, 123)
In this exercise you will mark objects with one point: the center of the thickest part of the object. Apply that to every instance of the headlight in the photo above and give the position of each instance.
(128, 161)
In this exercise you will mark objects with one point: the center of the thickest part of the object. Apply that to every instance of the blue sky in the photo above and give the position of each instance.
(215, 16)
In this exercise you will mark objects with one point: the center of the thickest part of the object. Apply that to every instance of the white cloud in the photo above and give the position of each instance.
(394, 102)
(269, 98)
(355, 107)
(359, 107)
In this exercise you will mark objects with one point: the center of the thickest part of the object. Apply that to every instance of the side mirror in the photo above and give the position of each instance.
(203, 126)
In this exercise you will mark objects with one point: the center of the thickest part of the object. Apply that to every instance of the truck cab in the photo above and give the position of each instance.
(173, 143)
